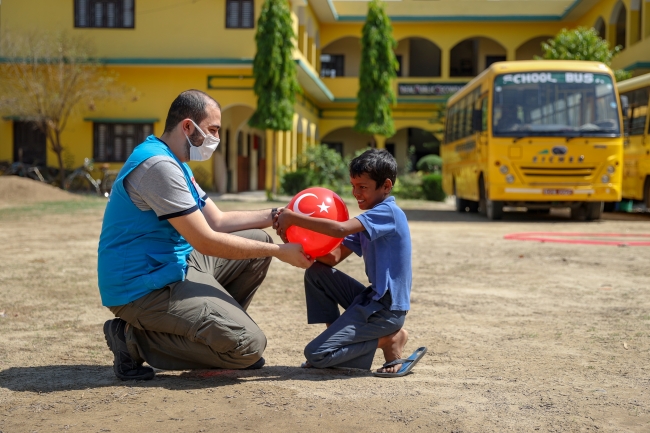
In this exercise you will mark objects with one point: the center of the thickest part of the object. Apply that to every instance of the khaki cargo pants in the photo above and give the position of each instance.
(200, 322)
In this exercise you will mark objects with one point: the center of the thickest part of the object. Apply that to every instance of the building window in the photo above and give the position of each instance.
(114, 142)
(240, 14)
(331, 65)
(104, 14)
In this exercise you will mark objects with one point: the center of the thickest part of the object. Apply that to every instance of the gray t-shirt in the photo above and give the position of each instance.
(158, 184)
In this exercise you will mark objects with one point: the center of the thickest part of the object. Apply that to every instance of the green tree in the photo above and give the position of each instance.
(582, 44)
(274, 70)
(378, 69)
(47, 77)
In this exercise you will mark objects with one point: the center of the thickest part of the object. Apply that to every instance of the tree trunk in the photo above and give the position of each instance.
(55, 139)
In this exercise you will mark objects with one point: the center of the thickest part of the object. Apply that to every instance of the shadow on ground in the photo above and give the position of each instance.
(53, 378)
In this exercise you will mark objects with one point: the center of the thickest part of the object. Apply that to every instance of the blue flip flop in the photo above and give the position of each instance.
(407, 364)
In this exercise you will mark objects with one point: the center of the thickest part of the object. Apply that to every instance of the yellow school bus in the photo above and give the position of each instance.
(536, 135)
(636, 165)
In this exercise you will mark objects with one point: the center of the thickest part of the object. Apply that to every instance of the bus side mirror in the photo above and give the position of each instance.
(625, 105)
(477, 120)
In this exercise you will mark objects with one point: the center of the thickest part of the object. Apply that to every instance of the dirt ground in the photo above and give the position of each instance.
(522, 336)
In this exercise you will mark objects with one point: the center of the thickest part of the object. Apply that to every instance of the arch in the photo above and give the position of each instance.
(346, 140)
(228, 169)
(409, 144)
(341, 57)
(600, 28)
(531, 48)
(618, 21)
(418, 57)
(471, 56)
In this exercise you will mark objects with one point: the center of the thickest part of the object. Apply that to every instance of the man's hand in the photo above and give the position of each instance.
(282, 223)
(294, 255)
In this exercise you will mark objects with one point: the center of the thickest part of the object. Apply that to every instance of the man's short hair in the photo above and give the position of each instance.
(191, 104)
(379, 164)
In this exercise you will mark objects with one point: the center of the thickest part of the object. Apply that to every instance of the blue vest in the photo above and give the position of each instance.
(138, 253)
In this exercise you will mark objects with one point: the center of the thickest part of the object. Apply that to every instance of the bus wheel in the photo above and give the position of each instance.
(646, 193)
(590, 211)
(492, 209)
(461, 204)
(594, 210)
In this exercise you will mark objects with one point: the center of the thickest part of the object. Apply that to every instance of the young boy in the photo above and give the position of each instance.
(374, 316)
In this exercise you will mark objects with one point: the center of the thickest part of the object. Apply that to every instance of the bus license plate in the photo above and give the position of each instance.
(558, 192)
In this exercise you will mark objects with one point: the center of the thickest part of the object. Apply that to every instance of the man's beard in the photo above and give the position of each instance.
(195, 138)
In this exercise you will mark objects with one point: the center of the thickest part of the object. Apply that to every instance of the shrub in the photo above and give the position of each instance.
(295, 181)
(429, 163)
(317, 166)
(432, 187)
(409, 186)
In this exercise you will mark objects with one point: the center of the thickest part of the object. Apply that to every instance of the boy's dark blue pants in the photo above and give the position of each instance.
(352, 338)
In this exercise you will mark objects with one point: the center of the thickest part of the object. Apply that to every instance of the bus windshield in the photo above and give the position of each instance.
(568, 104)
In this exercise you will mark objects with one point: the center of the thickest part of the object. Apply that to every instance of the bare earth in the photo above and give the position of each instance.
(522, 336)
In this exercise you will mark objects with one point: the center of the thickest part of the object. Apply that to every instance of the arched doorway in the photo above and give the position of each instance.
(618, 21)
(408, 145)
(239, 162)
(599, 26)
(471, 56)
(346, 141)
(341, 58)
(418, 57)
(531, 48)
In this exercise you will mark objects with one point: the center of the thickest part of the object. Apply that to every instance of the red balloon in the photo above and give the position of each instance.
(316, 202)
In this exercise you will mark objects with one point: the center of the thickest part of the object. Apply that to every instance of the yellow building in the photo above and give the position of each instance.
(162, 47)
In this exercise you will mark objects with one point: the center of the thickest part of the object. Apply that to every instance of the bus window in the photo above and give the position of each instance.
(554, 104)
(484, 113)
(638, 111)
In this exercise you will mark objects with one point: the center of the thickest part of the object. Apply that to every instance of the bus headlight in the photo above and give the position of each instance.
(605, 179)
(503, 169)
(510, 178)
(610, 169)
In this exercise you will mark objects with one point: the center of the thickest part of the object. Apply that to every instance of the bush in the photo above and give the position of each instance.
(429, 163)
(409, 186)
(295, 181)
(317, 166)
(432, 187)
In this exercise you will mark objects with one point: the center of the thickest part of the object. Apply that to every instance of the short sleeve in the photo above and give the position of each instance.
(164, 189)
(378, 221)
(353, 242)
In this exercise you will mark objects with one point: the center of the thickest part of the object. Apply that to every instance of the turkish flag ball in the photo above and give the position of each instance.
(316, 202)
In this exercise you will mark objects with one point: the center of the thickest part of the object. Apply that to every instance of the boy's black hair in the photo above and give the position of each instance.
(379, 164)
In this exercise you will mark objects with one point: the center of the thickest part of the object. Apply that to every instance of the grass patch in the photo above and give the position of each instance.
(54, 207)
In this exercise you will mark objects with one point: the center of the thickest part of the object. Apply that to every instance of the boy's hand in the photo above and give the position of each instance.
(283, 222)
(274, 222)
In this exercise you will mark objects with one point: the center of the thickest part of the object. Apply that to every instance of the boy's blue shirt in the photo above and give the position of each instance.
(385, 246)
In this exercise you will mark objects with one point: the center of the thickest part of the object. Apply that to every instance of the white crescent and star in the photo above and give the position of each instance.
(296, 206)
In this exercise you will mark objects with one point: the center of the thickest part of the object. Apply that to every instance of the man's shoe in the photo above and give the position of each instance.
(124, 366)
(259, 364)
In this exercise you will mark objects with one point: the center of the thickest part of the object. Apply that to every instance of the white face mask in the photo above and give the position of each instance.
(205, 150)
